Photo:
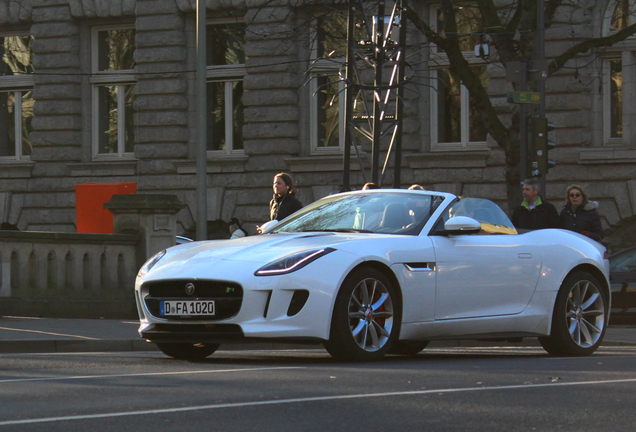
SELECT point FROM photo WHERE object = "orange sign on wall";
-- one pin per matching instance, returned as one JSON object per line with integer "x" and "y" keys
{"x": 91, "y": 215}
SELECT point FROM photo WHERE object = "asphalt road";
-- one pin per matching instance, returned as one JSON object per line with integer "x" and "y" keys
{"x": 442, "y": 389}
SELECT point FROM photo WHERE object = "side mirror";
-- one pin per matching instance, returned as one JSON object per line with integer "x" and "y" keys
{"x": 462, "y": 225}
{"x": 268, "y": 226}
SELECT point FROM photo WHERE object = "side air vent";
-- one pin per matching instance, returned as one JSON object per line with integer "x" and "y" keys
{"x": 297, "y": 302}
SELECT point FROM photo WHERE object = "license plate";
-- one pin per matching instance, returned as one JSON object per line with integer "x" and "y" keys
{"x": 186, "y": 307}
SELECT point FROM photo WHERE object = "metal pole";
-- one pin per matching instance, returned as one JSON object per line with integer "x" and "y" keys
{"x": 348, "y": 114}
{"x": 202, "y": 165}
{"x": 399, "y": 110}
{"x": 541, "y": 79}
{"x": 523, "y": 122}
{"x": 377, "y": 97}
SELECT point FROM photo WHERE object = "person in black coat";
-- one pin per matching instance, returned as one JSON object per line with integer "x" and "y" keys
{"x": 580, "y": 215}
{"x": 284, "y": 201}
{"x": 534, "y": 212}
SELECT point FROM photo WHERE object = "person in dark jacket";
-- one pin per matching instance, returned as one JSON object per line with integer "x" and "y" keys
{"x": 284, "y": 201}
{"x": 579, "y": 213}
{"x": 534, "y": 212}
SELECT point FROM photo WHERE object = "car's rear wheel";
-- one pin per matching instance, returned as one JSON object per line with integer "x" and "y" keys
{"x": 407, "y": 348}
{"x": 187, "y": 351}
{"x": 366, "y": 317}
{"x": 579, "y": 318}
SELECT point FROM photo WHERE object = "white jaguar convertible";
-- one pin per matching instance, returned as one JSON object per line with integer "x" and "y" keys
{"x": 378, "y": 272}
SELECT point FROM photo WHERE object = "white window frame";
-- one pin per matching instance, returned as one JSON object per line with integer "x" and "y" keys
{"x": 319, "y": 68}
{"x": 16, "y": 84}
{"x": 121, "y": 79}
{"x": 607, "y": 103}
{"x": 614, "y": 53}
{"x": 440, "y": 60}
{"x": 228, "y": 74}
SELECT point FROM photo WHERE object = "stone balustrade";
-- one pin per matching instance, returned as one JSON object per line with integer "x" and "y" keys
{"x": 78, "y": 275}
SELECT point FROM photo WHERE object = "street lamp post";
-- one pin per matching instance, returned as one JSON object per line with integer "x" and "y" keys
{"x": 202, "y": 165}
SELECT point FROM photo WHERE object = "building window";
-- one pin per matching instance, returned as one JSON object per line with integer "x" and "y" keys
{"x": 327, "y": 101}
{"x": 619, "y": 62}
{"x": 16, "y": 96}
{"x": 114, "y": 91}
{"x": 225, "y": 71}
{"x": 455, "y": 120}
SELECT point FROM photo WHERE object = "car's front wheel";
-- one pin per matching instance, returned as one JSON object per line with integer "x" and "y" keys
{"x": 187, "y": 351}
{"x": 366, "y": 317}
{"x": 579, "y": 318}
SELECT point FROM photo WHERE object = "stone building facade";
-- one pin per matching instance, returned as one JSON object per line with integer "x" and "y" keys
{"x": 108, "y": 95}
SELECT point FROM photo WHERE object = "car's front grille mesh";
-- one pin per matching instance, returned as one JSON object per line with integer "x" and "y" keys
{"x": 227, "y": 296}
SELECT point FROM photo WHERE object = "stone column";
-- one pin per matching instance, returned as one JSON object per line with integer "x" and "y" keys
{"x": 161, "y": 105}
{"x": 151, "y": 215}
{"x": 57, "y": 121}
{"x": 271, "y": 88}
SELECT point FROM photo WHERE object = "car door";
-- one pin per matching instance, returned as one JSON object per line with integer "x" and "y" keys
{"x": 491, "y": 273}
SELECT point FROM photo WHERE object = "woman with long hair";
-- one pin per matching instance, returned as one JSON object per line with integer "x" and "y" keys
{"x": 579, "y": 213}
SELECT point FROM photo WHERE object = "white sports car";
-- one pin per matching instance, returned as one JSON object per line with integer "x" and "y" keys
{"x": 370, "y": 273}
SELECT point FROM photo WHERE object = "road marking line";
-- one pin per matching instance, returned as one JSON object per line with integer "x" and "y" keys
{"x": 49, "y": 333}
{"x": 301, "y": 400}
{"x": 143, "y": 374}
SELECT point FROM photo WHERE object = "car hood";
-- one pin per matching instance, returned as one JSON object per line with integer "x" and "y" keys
{"x": 260, "y": 249}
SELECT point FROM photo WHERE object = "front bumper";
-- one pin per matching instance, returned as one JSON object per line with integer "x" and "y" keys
{"x": 295, "y": 306}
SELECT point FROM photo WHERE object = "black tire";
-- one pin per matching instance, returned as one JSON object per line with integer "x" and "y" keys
{"x": 187, "y": 351}
{"x": 407, "y": 348}
{"x": 366, "y": 317}
{"x": 579, "y": 319}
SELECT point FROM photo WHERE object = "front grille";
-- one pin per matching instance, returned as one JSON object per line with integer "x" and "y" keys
{"x": 227, "y": 296}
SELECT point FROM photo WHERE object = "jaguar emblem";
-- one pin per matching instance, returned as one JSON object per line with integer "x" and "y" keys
{"x": 189, "y": 288}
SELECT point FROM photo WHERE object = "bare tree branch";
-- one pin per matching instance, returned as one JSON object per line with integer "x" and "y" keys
{"x": 587, "y": 45}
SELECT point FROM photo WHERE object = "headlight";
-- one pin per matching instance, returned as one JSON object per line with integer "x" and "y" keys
{"x": 292, "y": 263}
{"x": 150, "y": 263}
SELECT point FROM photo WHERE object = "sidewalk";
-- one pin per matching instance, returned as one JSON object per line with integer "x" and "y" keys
{"x": 47, "y": 335}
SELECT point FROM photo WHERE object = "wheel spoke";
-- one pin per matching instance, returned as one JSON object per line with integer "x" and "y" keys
{"x": 585, "y": 332}
{"x": 591, "y": 326}
{"x": 364, "y": 290}
{"x": 594, "y": 312}
{"x": 358, "y": 328}
{"x": 356, "y": 302}
{"x": 590, "y": 301}
{"x": 373, "y": 289}
{"x": 383, "y": 314}
{"x": 378, "y": 304}
{"x": 365, "y": 335}
{"x": 375, "y": 340}
{"x": 381, "y": 329}
{"x": 583, "y": 286}
{"x": 354, "y": 315}
{"x": 573, "y": 328}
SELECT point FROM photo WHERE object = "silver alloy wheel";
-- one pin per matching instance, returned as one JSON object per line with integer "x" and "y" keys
{"x": 370, "y": 314}
{"x": 585, "y": 313}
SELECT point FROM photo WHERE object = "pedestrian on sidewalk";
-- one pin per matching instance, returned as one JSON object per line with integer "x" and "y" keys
{"x": 534, "y": 212}
{"x": 284, "y": 201}
{"x": 579, "y": 213}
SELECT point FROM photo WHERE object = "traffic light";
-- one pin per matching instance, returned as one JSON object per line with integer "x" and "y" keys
{"x": 541, "y": 145}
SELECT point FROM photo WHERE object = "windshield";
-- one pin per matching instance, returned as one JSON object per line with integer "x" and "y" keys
{"x": 386, "y": 212}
